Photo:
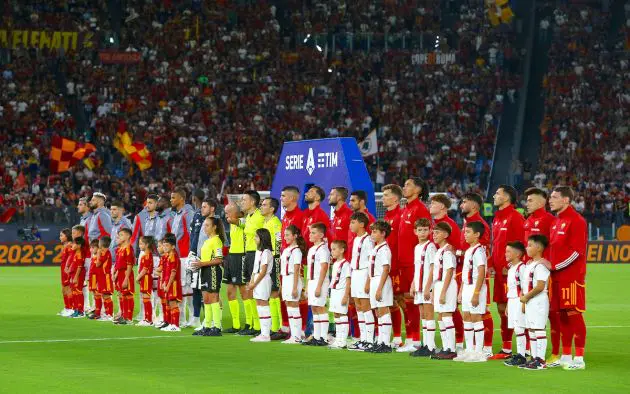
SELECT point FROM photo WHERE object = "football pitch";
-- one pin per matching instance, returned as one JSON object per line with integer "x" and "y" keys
{"x": 41, "y": 352}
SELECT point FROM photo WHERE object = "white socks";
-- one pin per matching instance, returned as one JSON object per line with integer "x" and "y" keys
{"x": 449, "y": 327}
{"x": 478, "y": 327}
{"x": 385, "y": 329}
{"x": 429, "y": 339}
{"x": 521, "y": 340}
{"x": 541, "y": 340}
{"x": 342, "y": 328}
{"x": 264, "y": 314}
{"x": 533, "y": 344}
{"x": 443, "y": 334}
{"x": 361, "y": 318}
{"x": 469, "y": 336}
{"x": 320, "y": 326}
{"x": 369, "y": 326}
{"x": 295, "y": 322}
{"x": 424, "y": 331}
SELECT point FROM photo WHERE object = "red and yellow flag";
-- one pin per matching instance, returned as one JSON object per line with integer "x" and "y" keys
{"x": 139, "y": 154}
{"x": 64, "y": 153}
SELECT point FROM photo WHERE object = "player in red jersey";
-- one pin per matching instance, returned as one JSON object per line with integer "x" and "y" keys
{"x": 340, "y": 225}
{"x": 470, "y": 206}
{"x": 358, "y": 203}
{"x": 65, "y": 238}
{"x": 507, "y": 227}
{"x": 76, "y": 272}
{"x": 415, "y": 191}
{"x": 314, "y": 214}
{"x": 93, "y": 282}
{"x": 173, "y": 285}
{"x": 104, "y": 277}
{"x": 438, "y": 208}
{"x": 123, "y": 276}
{"x": 539, "y": 222}
{"x": 568, "y": 263}
{"x": 392, "y": 194}
{"x": 145, "y": 278}
{"x": 162, "y": 280}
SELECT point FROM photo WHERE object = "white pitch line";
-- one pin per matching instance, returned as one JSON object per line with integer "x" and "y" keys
{"x": 91, "y": 339}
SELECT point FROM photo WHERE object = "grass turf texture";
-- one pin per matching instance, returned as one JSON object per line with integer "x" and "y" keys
{"x": 179, "y": 362}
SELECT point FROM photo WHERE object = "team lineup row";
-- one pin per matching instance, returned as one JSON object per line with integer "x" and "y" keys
{"x": 367, "y": 280}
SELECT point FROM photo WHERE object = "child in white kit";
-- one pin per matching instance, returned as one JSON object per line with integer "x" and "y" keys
{"x": 514, "y": 252}
{"x": 380, "y": 285}
{"x": 340, "y": 293}
{"x": 317, "y": 274}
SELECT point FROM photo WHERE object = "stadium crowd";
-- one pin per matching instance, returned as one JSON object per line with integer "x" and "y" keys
{"x": 217, "y": 99}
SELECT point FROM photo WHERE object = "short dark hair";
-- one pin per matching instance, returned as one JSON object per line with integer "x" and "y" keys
{"x": 170, "y": 239}
{"x": 442, "y": 199}
{"x": 180, "y": 191}
{"x": 320, "y": 192}
{"x": 424, "y": 193}
{"x": 265, "y": 239}
{"x": 79, "y": 241}
{"x": 511, "y": 191}
{"x": 117, "y": 203}
{"x": 474, "y": 197}
{"x": 319, "y": 226}
{"x": 361, "y": 218}
{"x": 343, "y": 191}
{"x": 518, "y": 245}
{"x": 105, "y": 241}
{"x": 275, "y": 204}
{"x": 360, "y": 194}
{"x": 68, "y": 234}
{"x": 94, "y": 243}
{"x": 422, "y": 222}
{"x": 211, "y": 201}
{"x": 199, "y": 194}
{"x": 80, "y": 228}
{"x": 394, "y": 189}
{"x": 382, "y": 226}
{"x": 444, "y": 226}
{"x": 291, "y": 188}
{"x": 254, "y": 195}
{"x": 125, "y": 230}
{"x": 153, "y": 197}
{"x": 341, "y": 243}
{"x": 539, "y": 239}
{"x": 476, "y": 227}
{"x": 565, "y": 191}
{"x": 535, "y": 191}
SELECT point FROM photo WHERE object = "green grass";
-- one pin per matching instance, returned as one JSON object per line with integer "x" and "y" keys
{"x": 182, "y": 363}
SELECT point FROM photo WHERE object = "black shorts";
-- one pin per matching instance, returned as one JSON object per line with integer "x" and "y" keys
{"x": 275, "y": 274}
{"x": 210, "y": 278}
{"x": 250, "y": 259}
{"x": 233, "y": 269}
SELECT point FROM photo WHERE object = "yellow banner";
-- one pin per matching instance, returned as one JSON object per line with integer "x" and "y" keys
{"x": 41, "y": 39}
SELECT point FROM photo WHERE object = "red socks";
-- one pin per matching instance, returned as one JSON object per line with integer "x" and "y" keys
{"x": 285, "y": 315}
{"x": 488, "y": 329}
{"x": 67, "y": 302}
{"x": 412, "y": 320}
{"x": 109, "y": 307}
{"x": 174, "y": 316}
{"x": 166, "y": 314}
{"x": 506, "y": 333}
{"x": 353, "y": 318}
{"x": 576, "y": 320}
{"x": 304, "y": 314}
{"x": 148, "y": 310}
{"x": 396, "y": 320}
{"x": 98, "y": 305}
{"x": 459, "y": 326}
{"x": 554, "y": 327}
{"x": 566, "y": 332}
{"x": 129, "y": 306}
{"x": 78, "y": 301}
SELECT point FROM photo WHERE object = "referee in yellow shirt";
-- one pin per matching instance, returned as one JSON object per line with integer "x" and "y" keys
{"x": 268, "y": 208}
{"x": 234, "y": 270}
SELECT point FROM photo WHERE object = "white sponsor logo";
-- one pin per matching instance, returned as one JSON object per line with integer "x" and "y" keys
{"x": 313, "y": 161}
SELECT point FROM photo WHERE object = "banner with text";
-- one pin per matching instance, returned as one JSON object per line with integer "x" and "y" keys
{"x": 29, "y": 254}
{"x": 608, "y": 252}
{"x": 42, "y": 39}
{"x": 433, "y": 58}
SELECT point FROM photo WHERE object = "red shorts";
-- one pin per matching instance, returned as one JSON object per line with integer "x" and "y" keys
{"x": 105, "y": 285}
{"x": 119, "y": 282}
{"x": 65, "y": 278}
{"x": 500, "y": 289}
{"x": 174, "y": 293}
{"x": 401, "y": 279}
{"x": 567, "y": 295}
{"x": 146, "y": 285}
{"x": 80, "y": 283}
{"x": 93, "y": 282}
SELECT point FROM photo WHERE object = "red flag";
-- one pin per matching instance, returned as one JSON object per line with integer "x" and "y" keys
{"x": 64, "y": 153}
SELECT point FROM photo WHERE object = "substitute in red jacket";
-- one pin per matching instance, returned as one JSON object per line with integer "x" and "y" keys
{"x": 293, "y": 215}
{"x": 314, "y": 213}
{"x": 538, "y": 221}
{"x": 506, "y": 227}
{"x": 568, "y": 263}
{"x": 341, "y": 221}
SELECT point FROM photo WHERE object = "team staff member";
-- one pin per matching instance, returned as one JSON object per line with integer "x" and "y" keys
{"x": 165, "y": 217}
{"x": 392, "y": 194}
{"x": 146, "y": 222}
{"x": 314, "y": 214}
{"x": 84, "y": 210}
{"x": 438, "y": 208}
{"x": 470, "y": 206}
{"x": 568, "y": 263}
{"x": 234, "y": 270}
{"x": 507, "y": 227}
{"x": 268, "y": 209}
{"x": 101, "y": 221}
{"x": 341, "y": 222}
{"x": 415, "y": 191}
{"x": 539, "y": 222}
{"x": 252, "y": 221}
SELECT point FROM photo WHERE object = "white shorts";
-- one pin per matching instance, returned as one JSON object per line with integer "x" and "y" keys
{"x": 321, "y": 300}
{"x": 334, "y": 305}
{"x": 515, "y": 315}
{"x": 86, "y": 266}
{"x": 467, "y": 294}
{"x": 263, "y": 290}
{"x": 451, "y": 297}
{"x": 418, "y": 299}
{"x": 357, "y": 285}
{"x": 387, "y": 294}
{"x": 537, "y": 312}
{"x": 287, "y": 288}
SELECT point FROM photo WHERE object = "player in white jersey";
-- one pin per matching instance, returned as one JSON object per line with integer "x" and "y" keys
{"x": 260, "y": 282}
{"x": 340, "y": 285}
{"x": 472, "y": 294}
{"x": 535, "y": 300}
{"x": 291, "y": 264}
{"x": 380, "y": 285}
{"x": 318, "y": 261}
{"x": 422, "y": 286}
{"x": 444, "y": 290}
{"x": 514, "y": 253}
{"x": 360, "y": 263}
